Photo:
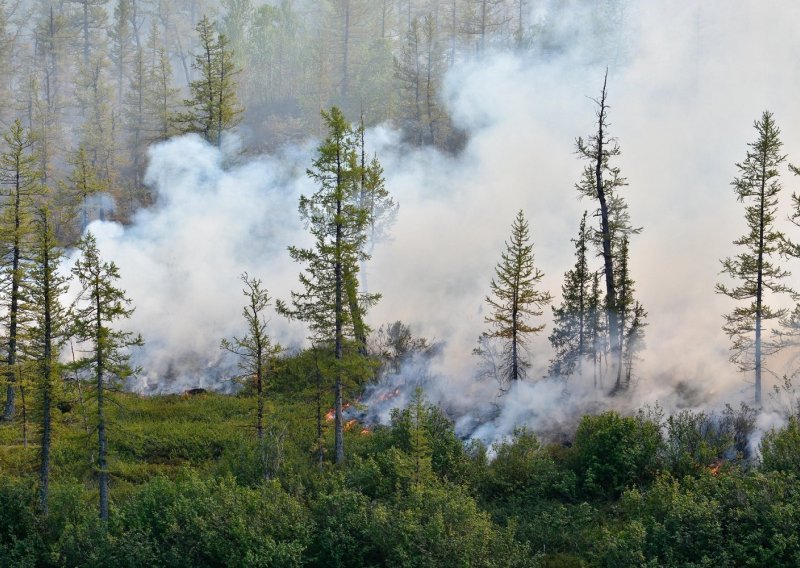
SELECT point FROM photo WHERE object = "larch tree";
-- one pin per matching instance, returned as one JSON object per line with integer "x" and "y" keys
{"x": 631, "y": 316}
{"x": 754, "y": 269}
{"x": 20, "y": 182}
{"x": 45, "y": 334}
{"x": 213, "y": 107}
{"x": 570, "y": 338}
{"x": 338, "y": 222}
{"x": 514, "y": 300}
{"x": 98, "y": 306}
{"x": 601, "y": 181}
{"x": 255, "y": 350}
{"x": 82, "y": 185}
{"x": 160, "y": 97}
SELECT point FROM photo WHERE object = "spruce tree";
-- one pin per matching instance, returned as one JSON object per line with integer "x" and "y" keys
{"x": 337, "y": 222}
{"x": 514, "y": 300}
{"x": 98, "y": 306}
{"x": 569, "y": 337}
{"x": 754, "y": 269}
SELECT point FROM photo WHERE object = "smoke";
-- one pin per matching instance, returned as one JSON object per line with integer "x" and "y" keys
{"x": 686, "y": 82}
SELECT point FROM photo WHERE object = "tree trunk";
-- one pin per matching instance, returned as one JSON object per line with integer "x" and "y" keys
{"x": 608, "y": 259}
{"x": 102, "y": 444}
{"x": 760, "y": 280}
{"x": 338, "y": 308}
{"x": 44, "y": 466}
{"x": 8, "y": 413}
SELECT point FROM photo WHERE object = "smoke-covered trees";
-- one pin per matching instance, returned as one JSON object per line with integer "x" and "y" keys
{"x": 514, "y": 300}
{"x": 338, "y": 220}
{"x": 255, "y": 349}
{"x": 570, "y": 337}
{"x": 631, "y": 317}
{"x": 601, "y": 181}
{"x": 98, "y": 306}
{"x": 754, "y": 268}
{"x": 213, "y": 107}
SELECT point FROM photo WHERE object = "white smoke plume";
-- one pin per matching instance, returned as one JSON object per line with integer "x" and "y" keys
{"x": 686, "y": 82}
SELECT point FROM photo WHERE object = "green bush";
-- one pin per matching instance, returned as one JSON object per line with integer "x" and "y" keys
{"x": 780, "y": 449}
{"x": 612, "y": 453}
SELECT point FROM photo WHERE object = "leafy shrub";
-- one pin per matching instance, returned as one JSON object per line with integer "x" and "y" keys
{"x": 612, "y": 452}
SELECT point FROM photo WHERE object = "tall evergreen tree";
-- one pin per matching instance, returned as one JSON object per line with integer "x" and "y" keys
{"x": 754, "y": 268}
{"x": 570, "y": 337}
{"x": 631, "y": 317}
{"x": 99, "y": 305}
{"x": 213, "y": 107}
{"x": 45, "y": 334}
{"x": 601, "y": 181}
{"x": 515, "y": 299}
{"x": 82, "y": 185}
{"x": 20, "y": 182}
{"x": 337, "y": 222}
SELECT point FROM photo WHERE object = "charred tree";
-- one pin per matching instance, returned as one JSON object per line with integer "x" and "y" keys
{"x": 600, "y": 181}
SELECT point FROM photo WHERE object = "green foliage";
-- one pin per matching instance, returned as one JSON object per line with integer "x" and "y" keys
{"x": 612, "y": 453}
{"x": 514, "y": 300}
{"x": 213, "y": 107}
{"x": 693, "y": 441}
{"x": 755, "y": 269}
{"x": 523, "y": 472}
{"x": 780, "y": 448}
{"x": 571, "y": 335}
{"x": 440, "y": 525}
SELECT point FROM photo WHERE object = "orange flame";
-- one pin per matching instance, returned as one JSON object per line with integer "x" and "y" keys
{"x": 349, "y": 424}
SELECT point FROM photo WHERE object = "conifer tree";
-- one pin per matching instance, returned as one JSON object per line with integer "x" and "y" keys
{"x": 570, "y": 338}
{"x": 601, "y": 181}
{"x": 159, "y": 94}
{"x": 213, "y": 107}
{"x": 514, "y": 300}
{"x": 45, "y": 334}
{"x": 81, "y": 185}
{"x": 597, "y": 331}
{"x": 754, "y": 268}
{"x": 19, "y": 178}
{"x": 255, "y": 349}
{"x": 98, "y": 306}
{"x": 631, "y": 317}
{"x": 337, "y": 222}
